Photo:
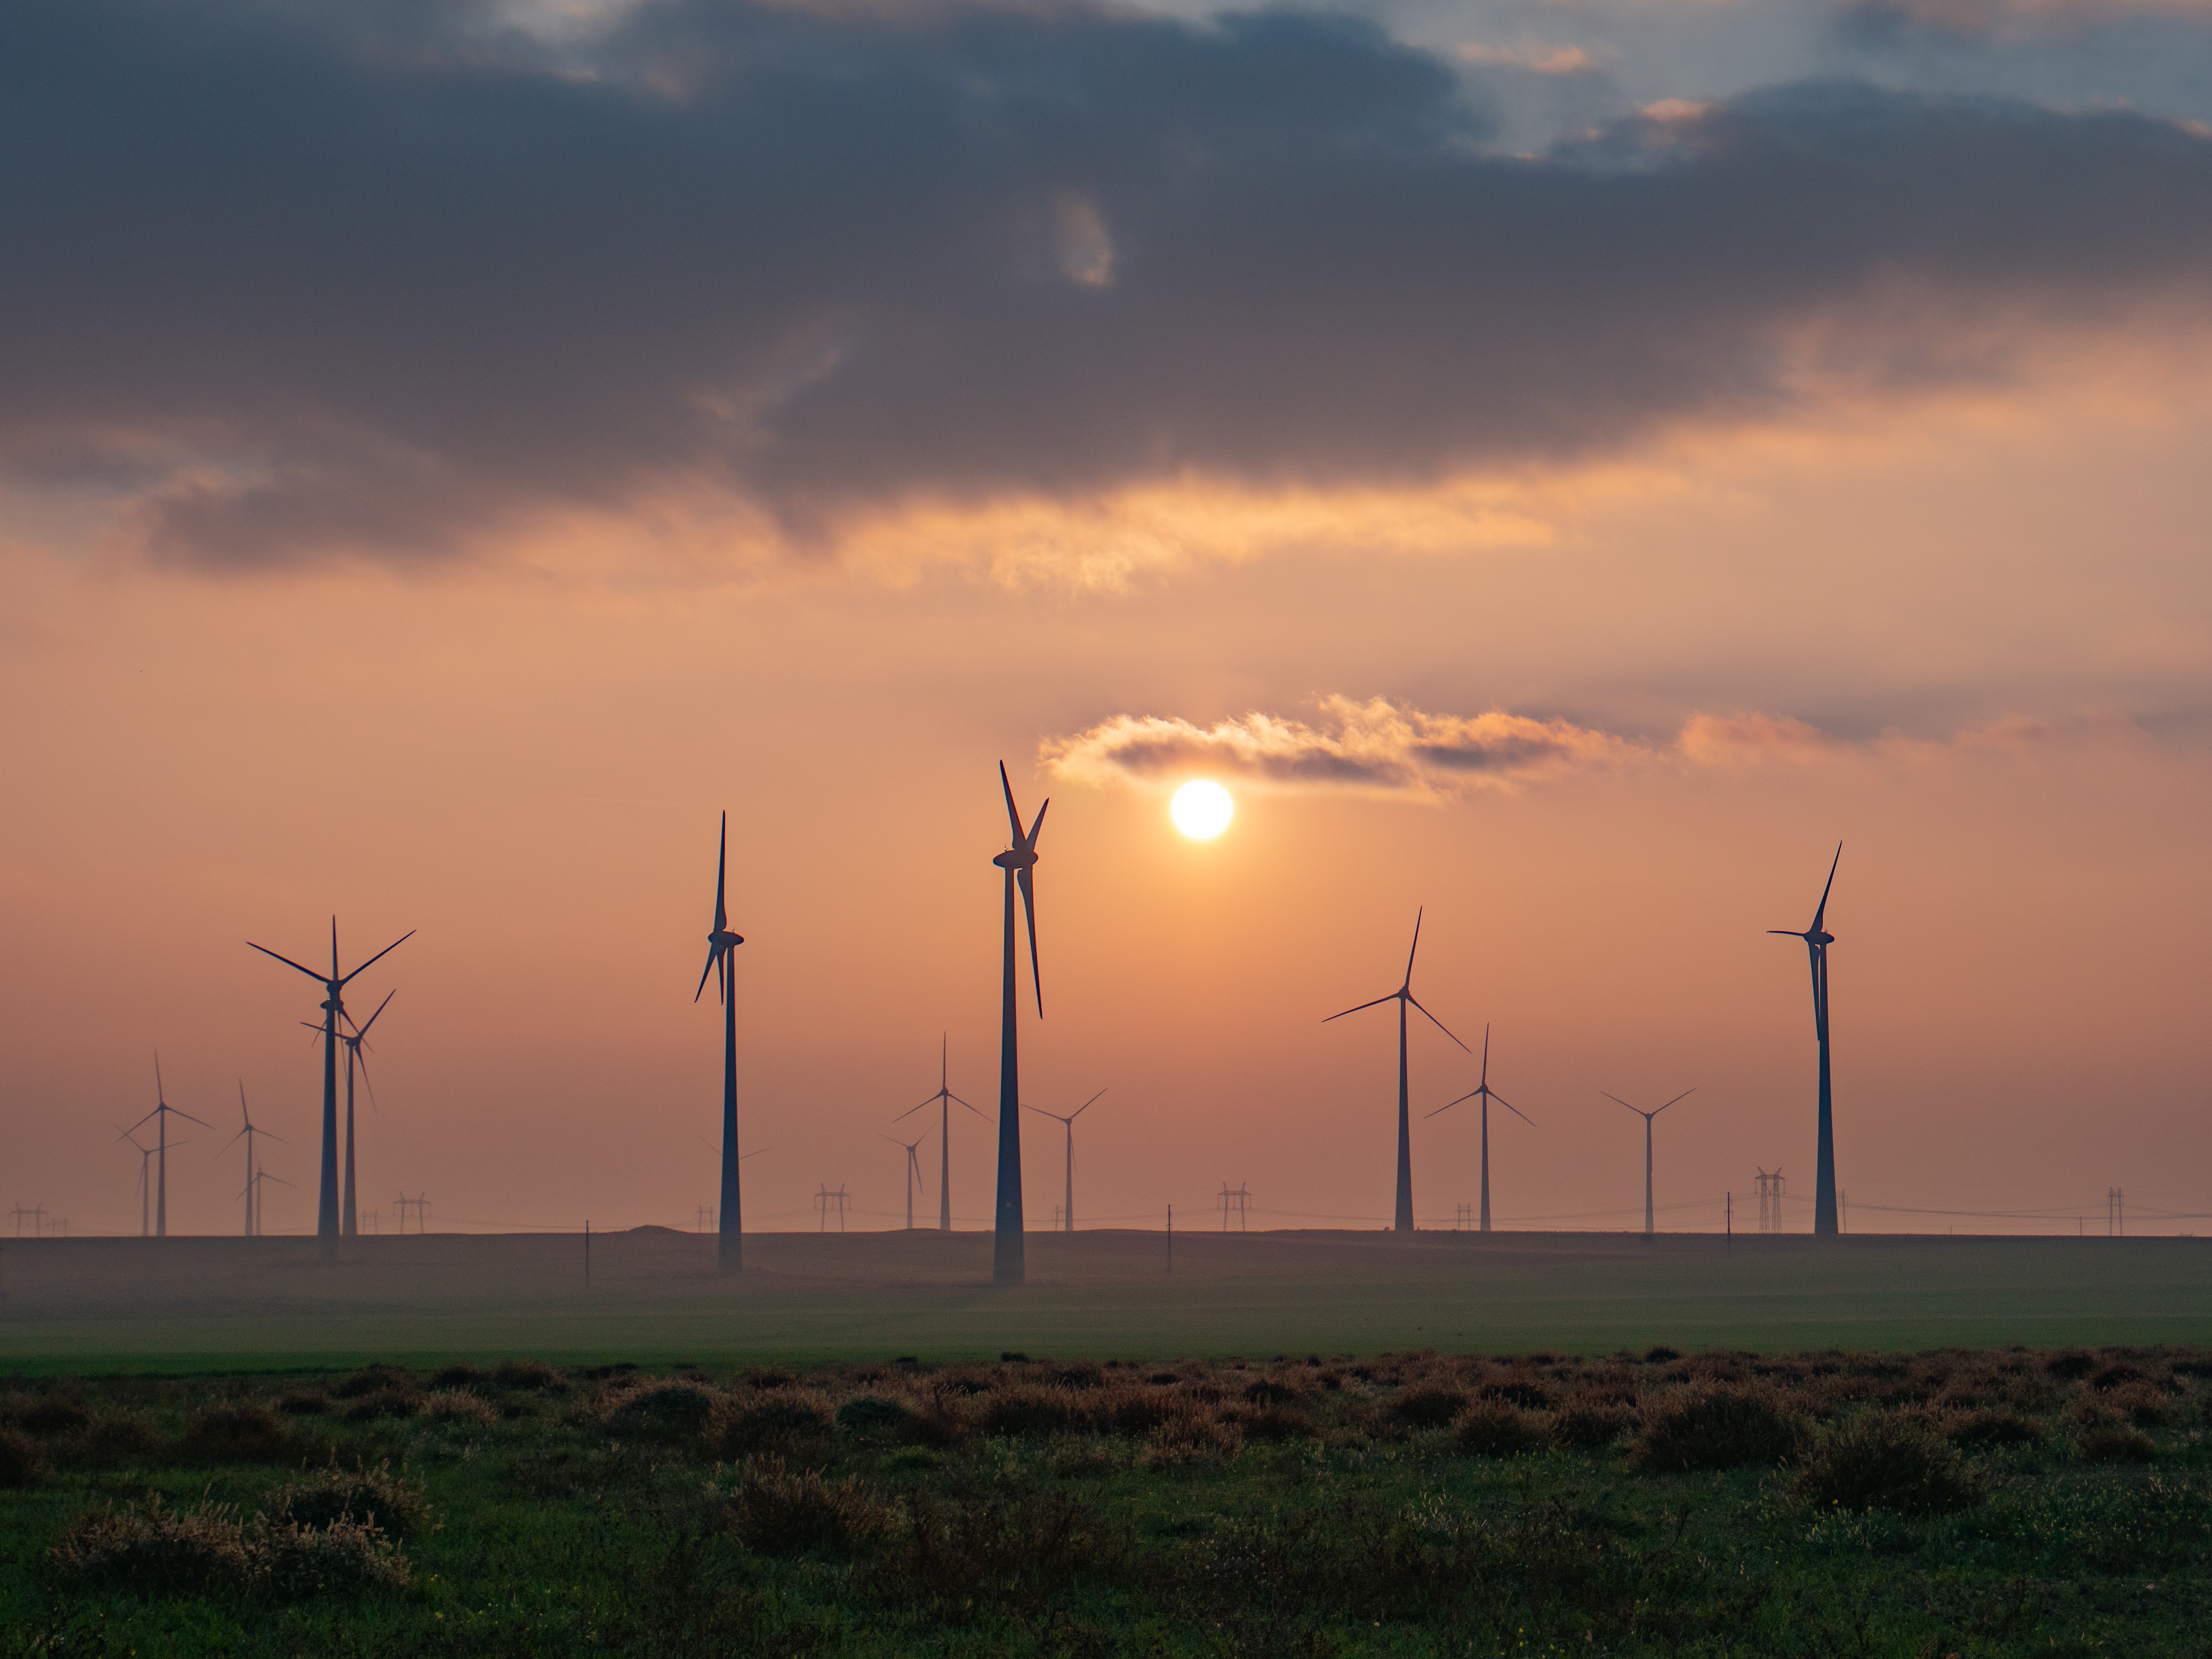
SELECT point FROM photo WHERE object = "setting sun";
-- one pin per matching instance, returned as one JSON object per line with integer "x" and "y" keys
{"x": 1201, "y": 809}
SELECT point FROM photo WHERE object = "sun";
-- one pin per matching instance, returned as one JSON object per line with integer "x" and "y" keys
{"x": 1201, "y": 809}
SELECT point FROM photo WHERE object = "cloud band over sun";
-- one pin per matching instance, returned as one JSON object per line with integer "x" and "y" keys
{"x": 374, "y": 278}
{"x": 1386, "y": 749}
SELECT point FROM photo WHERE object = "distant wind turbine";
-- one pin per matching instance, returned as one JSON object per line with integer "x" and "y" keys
{"x": 945, "y": 1100}
{"x": 349, "y": 1223}
{"x": 145, "y": 1179}
{"x": 1402, "y": 996}
{"x": 1067, "y": 1214}
{"x": 1817, "y": 939}
{"x": 913, "y": 1168}
{"x": 161, "y": 1115}
{"x": 333, "y": 984}
{"x": 1646, "y": 1117}
{"x": 721, "y": 962}
{"x": 1485, "y": 1094}
{"x": 253, "y": 1193}
{"x": 1019, "y": 862}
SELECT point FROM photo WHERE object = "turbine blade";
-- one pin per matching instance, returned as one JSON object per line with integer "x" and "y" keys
{"x": 1789, "y": 932}
{"x": 1013, "y": 814}
{"x": 1685, "y": 1095}
{"x": 1823, "y": 910}
{"x": 1434, "y": 1021}
{"x": 979, "y": 1112}
{"x": 141, "y": 1124}
{"x": 1086, "y": 1105}
{"x": 1417, "y": 945}
{"x": 1377, "y": 1003}
{"x": 362, "y": 1031}
{"x": 911, "y": 1110}
{"x": 1029, "y": 841}
{"x": 366, "y": 1081}
{"x": 321, "y": 979}
{"x": 1028, "y": 909}
{"x": 378, "y": 958}
{"x": 721, "y": 875}
{"x": 246, "y": 1115}
{"x": 1618, "y": 1101}
{"x": 159, "y": 1095}
{"x": 232, "y": 1142}
{"x": 1486, "y": 1054}
{"x": 201, "y": 1121}
{"x": 712, "y": 958}
{"x": 1511, "y": 1108}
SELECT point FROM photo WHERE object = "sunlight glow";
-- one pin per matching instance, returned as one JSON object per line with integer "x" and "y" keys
{"x": 1201, "y": 809}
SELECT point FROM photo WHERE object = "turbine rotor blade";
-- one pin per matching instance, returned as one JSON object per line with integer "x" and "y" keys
{"x": 1086, "y": 1105}
{"x": 378, "y": 958}
{"x": 1618, "y": 1101}
{"x": 1028, "y": 909}
{"x": 1823, "y": 910}
{"x": 1377, "y": 1003}
{"x": 1511, "y": 1108}
{"x": 1434, "y": 1021}
{"x": 722, "y": 873}
{"x": 323, "y": 979}
{"x": 1685, "y": 1095}
{"x": 362, "y": 1030}
{"x": 1416, "y": 946}
{"x": 1013, "y": 814}
{"x": 713, "y": 957}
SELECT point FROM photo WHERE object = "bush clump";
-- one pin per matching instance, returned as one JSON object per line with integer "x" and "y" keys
{"x": 1723, "y": 1426}
{"x": 665, "y": 1412}
{"x": 293, "y": 1561}
{"x": 52, "y": 1414}
{"x": 1888, "y": 1460}
{"x": 1591, "y": 1423}
{"x": 1495, "y": 1428}
{"x": 739, "y": 1429}
{"x": 1020, "y": 1411}
{"x": 331, "y": 1494}
{"x": 458, "y": 1406}
{"x": 196, "y": 1551}
{"x": 239, "y": 1431}
{"x": 113, "y": 1440}
{"x": 1994, "y": 1427}
{"x": 456, "y": 1377}
{"x": 1428, "y": 1405}
{"x": 303, "y": 1402}
{"x": 21, "y": 1464}
{"x": 2115, "y": 1442}
{"x": 776, "y": 1511}
{"x": 375, "y": 1379}
{"x": 872, "y": 1414}
{"x": 529, "y": 1376}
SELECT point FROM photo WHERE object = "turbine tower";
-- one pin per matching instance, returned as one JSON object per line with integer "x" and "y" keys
{"x": 945, "y": 1100}
{"x": 1487, "y": 1094}
{"x": 1019, "y": 862}
{"x": 333, "y": 984}
{"x": 722, "y": 946}
{"x": 1402, "y": 996}
{"x": 161, "y": 1115}
{"x": 252, "y": 1193}
{"x": 1817, "y": 939}
{"x": 913, "y": 1167}
{"x": 1646, "y": 1117}
{"x": 349, "y": 1223}
{"x": 145, "y": 1180}
{"x": 1067, "y": 1214}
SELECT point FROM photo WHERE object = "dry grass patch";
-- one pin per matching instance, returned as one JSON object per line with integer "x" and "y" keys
{"x": 1718, "y": 1427}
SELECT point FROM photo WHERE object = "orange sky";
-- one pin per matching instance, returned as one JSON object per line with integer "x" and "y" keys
{"x": 1929, "y": 579}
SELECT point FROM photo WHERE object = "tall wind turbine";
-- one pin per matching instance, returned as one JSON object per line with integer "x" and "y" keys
{"x": 721, "y": 962}
{"x": 1817, "y": 939}
{"x": 1019, "y": 862}
{"x": 252, "y": 1193}
{"x": 161, "y": 1115}
{"x": 1646, "y": 1117}
{"x": 1067, "y": 1214}
{"x": 145, "y": 1180}
{"x": 913, "y": 1167}
{"x": 349, "y": 1223}
{"x": 945, "y": 1100}
{"x": 333, "y": 984}
{"x": 1402, "y": 996}
{"x": 1487, "y": 1094}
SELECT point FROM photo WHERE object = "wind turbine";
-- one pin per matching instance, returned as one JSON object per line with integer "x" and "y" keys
{"x": 722, "y": 946}
{"x": 1019, "y": 862}
{"x": 945, "y": 1099}
{"x": 161, "y": 1114}
{"x": 246, "y": 1135}
{"x": 349, "y": 1223}
{"x": 1646, "y": 1117}
{"x": 913, "y": 1167}
{"x": 333, "y": 984}
{"x": 1402, "y": 996}
{"x": 1068, "y": 1215}
{"x": 252, "y": 1193}
{"x": 145, "y": 1180}
{"x": 1817, "y": 939}
{"x": 1487, "y": 1094}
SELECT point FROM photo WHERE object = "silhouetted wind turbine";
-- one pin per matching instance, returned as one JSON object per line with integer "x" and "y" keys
{"x": 945, "y": 1099}
{"x": 1402, "y": 996}
{"x": 1817, "y": 939}
{"x": 333, "y": 984}
{"x": 913, "y": 1167}
{"x": 722, "y": 946}
{"x": 1068, "y": 1215}
{"x": 252, "y": 1193}
{"x": 161, "y": 1114}
{"x": 349, "y": 1224}
{"x": 246, "y": 1135}
{"x": 145, "y": 1180}
{"x": 1646, "y": 1117}
{"x": 1487, "y": 1094}
{"x": 1019, "y": 862}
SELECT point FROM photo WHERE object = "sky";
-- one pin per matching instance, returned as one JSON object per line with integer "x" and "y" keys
{"x": 1564, "y": 467}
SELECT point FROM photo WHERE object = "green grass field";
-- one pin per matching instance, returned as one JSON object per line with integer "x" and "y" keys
{"x": 93, "y": 1305}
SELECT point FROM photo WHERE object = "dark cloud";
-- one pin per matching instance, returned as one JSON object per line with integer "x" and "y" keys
{"x": 312, "y": 277}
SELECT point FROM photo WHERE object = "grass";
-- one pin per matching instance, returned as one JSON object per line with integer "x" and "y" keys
{"x": 209, "y": 1304}
{"x": 1408, "y": 1503}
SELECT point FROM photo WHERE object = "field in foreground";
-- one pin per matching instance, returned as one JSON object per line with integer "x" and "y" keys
{"x": 1969, "y": 1503}
{"x": 654, "y": 1296}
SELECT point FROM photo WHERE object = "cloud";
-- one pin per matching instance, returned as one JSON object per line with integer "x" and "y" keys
{"x": 1384, "y": 749}
{"x": 381, "y": 279}
{"x": 1872, "y": 21}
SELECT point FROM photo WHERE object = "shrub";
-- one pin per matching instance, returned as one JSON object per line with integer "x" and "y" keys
{"x": 871, "y": 1414}
{"x": 1267, "y": 1392}
{"x": 157, "y": 1549}
{"x": 1888, "y": 1460}
{"x": 293, "y": 1561}
{"x": 239, "y": 1431}
{"x": 1081, "y": 1375}
{"x": 1661, "y": 1355}
{"x": 52, "y": 1414}
{"x": 1428, "y": 1405}
{"x": 778, "y": 1423}
{"x": 383, "y": 1402}
{"x": 1591, "y": 1422}
{"x": 2112, "y": 1442}
{"x": 396, "y": 1505}
{"x": 114, "y": 1440}
{"x": 767, "y": 1376}
{"x": 1191, "y": 1435}
{"x": 1994, "y": 1427}
{"x": 2119, "y": 1374}
{"x": 1277, "y": 1423}
{"x": 1022, "y": 1411}
{"x": 2139, "y": 1403}
{"x": 375, "y": 1379}
{"x": 458, "y": 1406}
{"x": 773, "y": 1511}
{"x": 307, "y": 1402}
{"x": 1522, "y": 1391}
{"x": 21, "y": 1465}
{"x": 664, "y": 1412}
{"x": 456, "y": 1377}
{"x": 2070, "y": 1364}
{"x": 1720, "y": 1427}
{"x": 534, "y": 1375}
{"x": 1494, "y": 1428}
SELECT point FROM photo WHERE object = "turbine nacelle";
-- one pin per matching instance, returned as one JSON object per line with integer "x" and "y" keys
{"x": 1017, "y": 857}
